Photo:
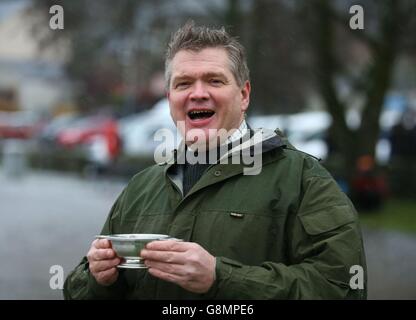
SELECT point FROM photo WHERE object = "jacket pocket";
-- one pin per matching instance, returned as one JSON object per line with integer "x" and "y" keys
{"x": 326, "y": 219}
{"x": 245, "y": 237}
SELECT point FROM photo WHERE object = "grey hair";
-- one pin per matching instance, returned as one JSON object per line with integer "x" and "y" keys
{"x": 191, "y": 37}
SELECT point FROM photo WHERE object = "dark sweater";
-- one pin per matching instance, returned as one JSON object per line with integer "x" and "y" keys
{"x": 193, "y": 172}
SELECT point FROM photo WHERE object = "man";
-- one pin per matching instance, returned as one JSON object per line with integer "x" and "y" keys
{"x": 286, "y": 232}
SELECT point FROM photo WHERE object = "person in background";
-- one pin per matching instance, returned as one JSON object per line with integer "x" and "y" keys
{"x": 369, "y": 188}
{"x": 403, "y": 155}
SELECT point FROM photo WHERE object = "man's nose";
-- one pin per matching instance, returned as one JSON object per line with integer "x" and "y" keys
{"x": 199, "y": 91}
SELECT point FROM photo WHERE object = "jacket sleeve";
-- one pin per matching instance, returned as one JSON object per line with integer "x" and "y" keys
{"x": 80, "y": 284}
{"x": 324, "y": 242}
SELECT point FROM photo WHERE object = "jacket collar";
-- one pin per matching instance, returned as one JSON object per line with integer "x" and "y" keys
{"x": 255, "y": 142}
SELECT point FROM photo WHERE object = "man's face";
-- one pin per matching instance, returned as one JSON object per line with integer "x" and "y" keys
{"x": 204, "y": 94}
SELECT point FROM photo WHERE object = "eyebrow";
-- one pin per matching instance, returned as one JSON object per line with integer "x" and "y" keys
{"x": 205, "y": 75}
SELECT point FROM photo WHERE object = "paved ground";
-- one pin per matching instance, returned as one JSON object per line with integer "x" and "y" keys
{"x": 391, "y": 260}
{"x": 49, "y": 219}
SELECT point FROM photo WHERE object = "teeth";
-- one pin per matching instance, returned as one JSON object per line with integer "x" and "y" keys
{"x": 200, "y": 111}
{"x": 199, "y": 114}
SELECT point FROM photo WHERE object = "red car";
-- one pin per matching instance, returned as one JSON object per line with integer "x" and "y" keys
{"x": 19, "y": 125}
{"x": 98, "y": 134}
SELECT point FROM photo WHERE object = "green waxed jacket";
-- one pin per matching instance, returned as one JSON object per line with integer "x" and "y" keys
{"x": 286, "y": 233}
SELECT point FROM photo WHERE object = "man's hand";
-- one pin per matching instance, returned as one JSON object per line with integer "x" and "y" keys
{"x": 184, "y": 263}
{"x": 103, "y": 261}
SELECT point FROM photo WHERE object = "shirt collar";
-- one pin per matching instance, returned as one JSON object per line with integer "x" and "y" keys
{"x": 237, "y": 134}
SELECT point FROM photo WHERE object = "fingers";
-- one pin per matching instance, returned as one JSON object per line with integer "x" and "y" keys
{"x": 176, "y": 269}
{"x": 101, "y": 243}
{"x": 103, "y": 265}
{"x": 104, "y": 254}
{"x": 106, "y": 277}
{"x": 168, "y": 245}
{"x": 103, "y": 261}
{"x": 190, "y": 265}
{"x": 100, "y": 254}
{"x": 168, "y": 251}
{"x": 163, "y": 256}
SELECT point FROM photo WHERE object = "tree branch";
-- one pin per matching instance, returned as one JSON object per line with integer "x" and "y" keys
{"x": 361, "y": 35}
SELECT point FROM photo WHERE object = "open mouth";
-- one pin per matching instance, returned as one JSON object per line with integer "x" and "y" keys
{"x": 200, "y": 114}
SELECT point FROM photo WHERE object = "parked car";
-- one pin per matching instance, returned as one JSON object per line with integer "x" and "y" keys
{"x": 138, "y": 131}
{"x": 50, "y": 131}
{"x": 97, "y": 135}
{"x": 20, "y": 124}
{"x": 306, "y": 130}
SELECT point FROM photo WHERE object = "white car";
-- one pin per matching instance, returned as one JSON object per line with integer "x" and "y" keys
{"x": 304, "y": 130}
{"x": 138, "y": 131}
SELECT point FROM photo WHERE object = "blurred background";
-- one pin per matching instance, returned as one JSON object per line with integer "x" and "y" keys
{"x": 79, "y": 107}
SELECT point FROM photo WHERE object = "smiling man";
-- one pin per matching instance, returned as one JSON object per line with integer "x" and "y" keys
{"x": 204, "y": 93}
{"x": 286, "y": 232}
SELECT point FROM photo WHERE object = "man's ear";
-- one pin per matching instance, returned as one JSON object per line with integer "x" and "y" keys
{"x": 245, "y": 95}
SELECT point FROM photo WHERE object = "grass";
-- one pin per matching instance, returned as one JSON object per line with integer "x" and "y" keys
{"x": 399, "y": 215}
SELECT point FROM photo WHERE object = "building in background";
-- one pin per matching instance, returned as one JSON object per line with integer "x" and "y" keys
{"x": 31, "y": 79}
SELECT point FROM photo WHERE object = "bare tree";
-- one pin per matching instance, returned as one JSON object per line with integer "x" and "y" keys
{"x": 277, "y": 58}
{"x": 389, "y": 21}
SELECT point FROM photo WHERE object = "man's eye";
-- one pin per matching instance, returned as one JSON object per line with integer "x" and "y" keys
{"x": 181, "y": 85}
{"x": 216, "y": 81}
